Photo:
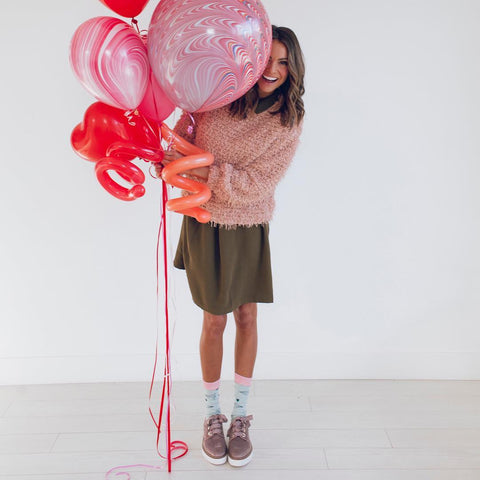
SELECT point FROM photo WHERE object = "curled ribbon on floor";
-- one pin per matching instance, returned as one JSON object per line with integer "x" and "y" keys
{"x": 199, "y": 192}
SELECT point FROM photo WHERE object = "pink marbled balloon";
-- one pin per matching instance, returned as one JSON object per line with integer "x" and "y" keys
{"x": 155, "y": 104}
{"x": 206, "y": 54}
{"x": 110, "y": 60}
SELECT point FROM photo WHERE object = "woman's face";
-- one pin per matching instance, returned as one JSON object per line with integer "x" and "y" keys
{"x": 276, "y": 71}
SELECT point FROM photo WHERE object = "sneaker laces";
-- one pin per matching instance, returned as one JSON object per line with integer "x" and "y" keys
{"x": 239, "y": 426}
{"x": 215, "y": 424}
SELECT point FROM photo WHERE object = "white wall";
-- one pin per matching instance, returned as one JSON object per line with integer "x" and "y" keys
{"x": 375, "y": 239}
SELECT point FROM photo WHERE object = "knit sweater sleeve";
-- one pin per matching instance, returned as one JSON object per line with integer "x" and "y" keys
{"x": 242, "y": 186}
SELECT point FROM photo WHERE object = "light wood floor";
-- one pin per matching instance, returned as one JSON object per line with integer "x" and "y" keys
{"x": 305, "y": 429}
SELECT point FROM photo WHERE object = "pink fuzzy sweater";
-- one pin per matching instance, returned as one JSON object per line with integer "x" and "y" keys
{"x": 250, "y": 157}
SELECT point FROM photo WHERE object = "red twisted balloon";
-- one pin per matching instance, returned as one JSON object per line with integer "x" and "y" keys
{"x": 128, "y": 171}
{"x": 194, "y": 157}
{"x": 117, "y": 159}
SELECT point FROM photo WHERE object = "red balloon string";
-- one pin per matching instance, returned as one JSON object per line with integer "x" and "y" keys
{"x": 129, "y": 116}
{"x": 167, "y": 377}
{"x": 143, "y": 33}
{"x": 179, "y": 445}
{"x": 134, "y": 22}
{"x": 200, "y": 193}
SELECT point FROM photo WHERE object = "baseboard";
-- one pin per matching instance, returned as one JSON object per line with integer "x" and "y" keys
{"x": 269, "y": 365}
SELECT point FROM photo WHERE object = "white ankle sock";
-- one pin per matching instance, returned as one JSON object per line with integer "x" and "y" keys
{"x": 212, "y": 400}
{"x": 242, "y": 389}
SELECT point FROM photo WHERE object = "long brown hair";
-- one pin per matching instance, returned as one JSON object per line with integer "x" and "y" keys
{"x": 290, "y": 92}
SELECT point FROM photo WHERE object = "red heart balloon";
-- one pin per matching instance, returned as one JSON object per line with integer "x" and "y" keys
{"x": 126, "y": 8}
{"x": 104, "y": 125}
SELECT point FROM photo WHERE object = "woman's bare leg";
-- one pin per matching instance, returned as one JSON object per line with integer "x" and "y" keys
{"x": 211, "y": 346}
{"x": 246, "y": 339}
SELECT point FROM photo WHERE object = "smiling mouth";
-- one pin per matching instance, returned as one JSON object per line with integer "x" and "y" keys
{"x": 269, "y": 79}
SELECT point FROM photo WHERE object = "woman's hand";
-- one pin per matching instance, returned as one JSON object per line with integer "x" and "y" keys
{"x": 158, "y": 169}
{"x": 170, "y": 156}
{"x": 200, "y": 172}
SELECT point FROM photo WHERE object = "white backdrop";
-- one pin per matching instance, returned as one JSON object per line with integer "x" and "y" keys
{"x": 375, "y": 240}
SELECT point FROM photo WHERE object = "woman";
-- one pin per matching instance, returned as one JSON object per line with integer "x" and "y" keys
{"x": 227, "y": 262}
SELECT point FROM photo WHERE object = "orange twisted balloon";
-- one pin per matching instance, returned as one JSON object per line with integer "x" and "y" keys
{"x": 194, "y": 157}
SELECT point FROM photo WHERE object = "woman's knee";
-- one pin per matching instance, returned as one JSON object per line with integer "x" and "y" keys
{"x": 214, "y": 324}
{"x": 246, "y": 316}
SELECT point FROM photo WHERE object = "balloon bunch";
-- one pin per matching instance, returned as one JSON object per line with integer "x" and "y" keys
{"x": 197, "y": 56}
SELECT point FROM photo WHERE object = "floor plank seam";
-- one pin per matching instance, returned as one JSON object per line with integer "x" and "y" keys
{"x": 388, "y": 437}
{"x": 54, "y": 442}
{"x": 325, "y": 458}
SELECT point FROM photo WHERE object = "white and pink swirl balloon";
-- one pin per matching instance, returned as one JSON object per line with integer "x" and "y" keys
{"x": 206, "y": 54}
{"x": 110, "y": 60}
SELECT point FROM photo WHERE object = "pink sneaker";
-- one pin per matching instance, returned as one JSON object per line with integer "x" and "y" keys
{"x": 240, "y": 450}
{"x": 214, "y": 446}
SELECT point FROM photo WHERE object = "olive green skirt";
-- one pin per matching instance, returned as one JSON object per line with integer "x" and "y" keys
{"x": 225, "y": 268}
